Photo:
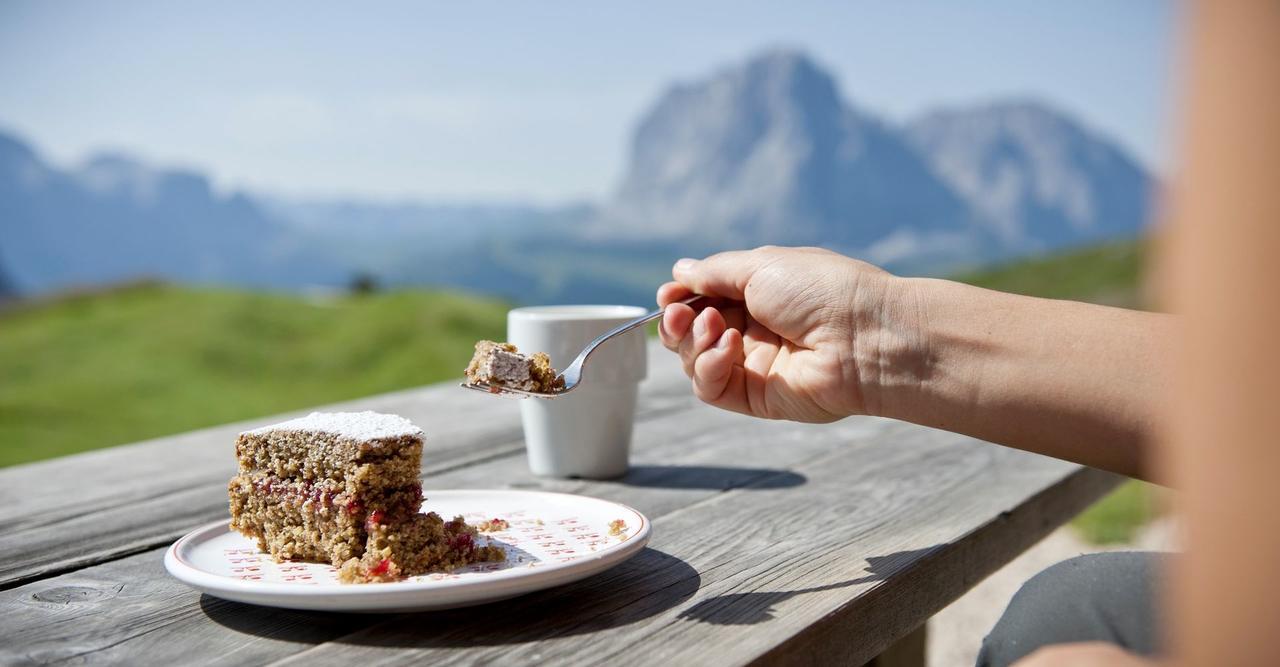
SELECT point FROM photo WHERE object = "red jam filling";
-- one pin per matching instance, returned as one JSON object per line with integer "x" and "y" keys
{"x": 463, "y": 543}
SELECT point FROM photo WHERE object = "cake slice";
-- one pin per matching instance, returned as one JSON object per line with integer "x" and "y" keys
{"x": 336, "y": 487}
{"x": 420, "y": 543}
{"x": 502, "y": 365}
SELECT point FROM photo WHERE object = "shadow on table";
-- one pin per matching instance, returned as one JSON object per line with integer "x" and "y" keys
{"x": 757, "y": 607}
{"x": 644, "y": 586}
{"x": 710, "y": 477}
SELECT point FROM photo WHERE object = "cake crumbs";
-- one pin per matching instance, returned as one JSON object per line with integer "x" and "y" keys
{"x": 618, "y": 528}
{"x": 493, "y": 525}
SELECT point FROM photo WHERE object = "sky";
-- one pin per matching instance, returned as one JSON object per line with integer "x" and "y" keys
{"x": 529, "y": 102}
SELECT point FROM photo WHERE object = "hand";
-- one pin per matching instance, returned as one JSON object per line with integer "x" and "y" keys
{"x": 1084, "y": 654}
{"x": 792, "y": 335}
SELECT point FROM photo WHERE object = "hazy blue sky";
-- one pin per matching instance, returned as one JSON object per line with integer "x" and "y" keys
{"x": 527, "y": 101}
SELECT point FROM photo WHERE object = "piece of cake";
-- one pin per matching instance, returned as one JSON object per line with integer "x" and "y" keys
{"x": 420, "y": 543}
{"x": 502, "y": 365}
{"x": 342, "y": 488}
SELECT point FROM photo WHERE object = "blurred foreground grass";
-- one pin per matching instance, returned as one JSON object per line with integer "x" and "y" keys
{"x": 98, "y": 369}
{"x": 93, "y": 370}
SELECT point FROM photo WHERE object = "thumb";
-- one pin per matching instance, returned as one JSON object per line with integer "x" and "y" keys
{"x": 724, "y": 274}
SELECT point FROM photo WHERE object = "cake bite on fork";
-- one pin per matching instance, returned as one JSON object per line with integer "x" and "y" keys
{"x": 500, "y": 366}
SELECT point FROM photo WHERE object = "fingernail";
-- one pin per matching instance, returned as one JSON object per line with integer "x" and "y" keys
{"x": 685, "y": 264}
{"x": 723, "y": 343}
{"x": 699, "y": 326}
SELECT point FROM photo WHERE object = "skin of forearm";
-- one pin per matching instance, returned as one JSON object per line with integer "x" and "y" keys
{"x": 1075, "y": 381}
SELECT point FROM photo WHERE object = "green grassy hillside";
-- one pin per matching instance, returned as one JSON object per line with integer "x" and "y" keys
{"x": 119, "y": 366}
{"x": 1110, "y": 274}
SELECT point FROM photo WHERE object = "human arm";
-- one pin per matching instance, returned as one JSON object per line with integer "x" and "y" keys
{"x": 811, "y": 335}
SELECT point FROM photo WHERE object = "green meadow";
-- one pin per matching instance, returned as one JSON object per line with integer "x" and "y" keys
{"x": 95, "y": 370}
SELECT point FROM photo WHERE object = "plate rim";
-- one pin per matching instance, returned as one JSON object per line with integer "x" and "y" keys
{"x": 545, "y": 576}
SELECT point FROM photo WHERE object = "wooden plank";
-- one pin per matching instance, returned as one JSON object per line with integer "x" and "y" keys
{"x": 128, "y": 612}
{"x": 869, "y": 623}
{"x": 70, "y": 512}
{"x": 889, "y": 523}
{"x": 775, "y": 568}
{"x": 906, "y": 652}
{"x": 98, "y": 619}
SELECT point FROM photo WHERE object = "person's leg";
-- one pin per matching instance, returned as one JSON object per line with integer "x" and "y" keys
{"x": 1100, "y": 597}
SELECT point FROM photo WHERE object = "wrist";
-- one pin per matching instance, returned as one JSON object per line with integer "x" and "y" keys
{"x": 891, "y": 346}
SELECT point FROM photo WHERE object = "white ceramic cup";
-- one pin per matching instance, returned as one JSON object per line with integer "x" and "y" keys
{"x": 588, "y": 432}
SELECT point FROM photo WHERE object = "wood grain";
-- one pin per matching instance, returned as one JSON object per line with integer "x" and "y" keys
{"x": 743, "y": 573}
{"x": 771, "y": 565}
{"x": 686, "y": 444}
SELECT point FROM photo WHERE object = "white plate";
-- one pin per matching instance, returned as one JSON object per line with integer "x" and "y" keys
{"x": 553, "y": 539}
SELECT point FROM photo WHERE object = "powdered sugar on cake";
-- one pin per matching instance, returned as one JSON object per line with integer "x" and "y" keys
{"x": 360, "y": 426}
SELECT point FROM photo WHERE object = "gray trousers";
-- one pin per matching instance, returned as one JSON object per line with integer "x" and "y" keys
{"x": 1107, "y": 597}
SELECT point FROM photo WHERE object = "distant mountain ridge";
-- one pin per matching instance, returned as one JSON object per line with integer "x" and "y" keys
{"x": 765, "y": 151}
{"x": 1033, "y": 176}
{"x": 115, "y": 219}
{"x": 769, "y": 152}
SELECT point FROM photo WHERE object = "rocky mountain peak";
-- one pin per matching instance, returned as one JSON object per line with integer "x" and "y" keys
{"x": 1035, "y": 175}
{"x": 768, "y": 151}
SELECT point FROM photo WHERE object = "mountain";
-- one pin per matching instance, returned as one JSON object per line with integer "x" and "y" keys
{"x": 766, "y": 151}
{"x": 114, "y": 218}
{"x": 769, "y": 152}
{"x": 394, "y": 240}
{"x": 1035, "y": 177}
{"x": 525, "y": 253}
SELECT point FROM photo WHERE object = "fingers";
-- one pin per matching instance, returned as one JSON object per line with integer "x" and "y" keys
{"x": 703, "y": 333}
{"x": 672, "y": 292}
{"x": 724, "y": 274}
{"x": 718, "y": 376}
{"x": 675, "y": 323}
{"x": 711, "y": 353}
{"x": 735, "y": 313}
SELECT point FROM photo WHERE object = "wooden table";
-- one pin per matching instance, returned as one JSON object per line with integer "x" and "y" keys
{"x": 772, "y": 543}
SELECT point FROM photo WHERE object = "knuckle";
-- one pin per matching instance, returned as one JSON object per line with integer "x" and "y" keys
{"x": 705, "y": 393}
{"x": 687, "y": 360}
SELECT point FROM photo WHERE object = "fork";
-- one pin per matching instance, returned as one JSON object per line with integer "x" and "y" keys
{"x": 572, "y": 375}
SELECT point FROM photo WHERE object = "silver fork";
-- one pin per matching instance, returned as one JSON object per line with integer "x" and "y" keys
{"x": 572, "y": 375}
